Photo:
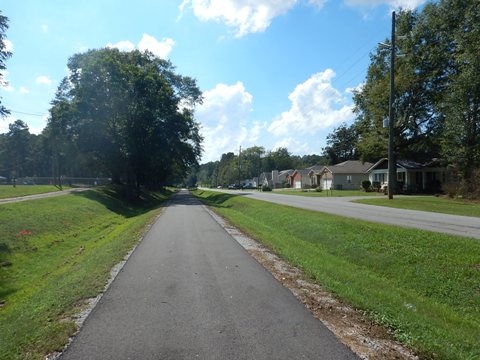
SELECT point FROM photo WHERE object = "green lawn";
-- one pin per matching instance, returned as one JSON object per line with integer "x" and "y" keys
{"x": 424, "y": 286}
{"x": 325, "y": 193}
{"x": 55, "y": 253}
{"x": 429, "y": 203}
{"x": 8, "y": 191}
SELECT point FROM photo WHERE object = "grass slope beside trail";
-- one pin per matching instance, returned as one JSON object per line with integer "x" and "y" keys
{"x": 424, "y": 286}
{"x": 429, "y": 203}
{"x": 54, "y": 254}
{"x": 8, "y": 191}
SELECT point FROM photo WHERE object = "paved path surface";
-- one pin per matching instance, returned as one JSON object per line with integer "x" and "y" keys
{"x": 41, "y": 196}
{"x": 450, "y": 224}
{"x": 189, "y": 291}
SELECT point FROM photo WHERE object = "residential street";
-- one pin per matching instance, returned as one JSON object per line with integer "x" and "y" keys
{"x": 449, "y": 224}
{"x": 190, "y": 291}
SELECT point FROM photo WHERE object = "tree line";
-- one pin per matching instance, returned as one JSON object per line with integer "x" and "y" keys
{"x": 437, "y": 93}
{"x": 232, "y": 168}
{"x": 124, "y": 115}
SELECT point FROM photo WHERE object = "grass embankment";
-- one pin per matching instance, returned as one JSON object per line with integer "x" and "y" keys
{"x": 429, "y": 203}
{"x": 424, "y": 286}
{"x": 8, "y": 191}
{"x": 327, "y": 193}
{"x": 55, "y": 253}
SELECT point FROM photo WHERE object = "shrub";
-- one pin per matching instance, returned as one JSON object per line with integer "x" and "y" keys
{"x": 266, "y": 188}
{"x": 366, "y": 185}
{"x": 318, "y": 189}
{"x": 376, "y": 186}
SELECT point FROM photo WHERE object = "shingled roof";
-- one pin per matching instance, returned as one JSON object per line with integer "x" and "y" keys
{"x": 349, "y": 167}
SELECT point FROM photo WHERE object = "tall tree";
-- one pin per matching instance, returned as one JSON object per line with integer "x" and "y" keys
{"x": 18, "y": 147}
{"x": 131, "y": 112}
{"x": 341, "y": 144}
{"x": 4, "y": 55}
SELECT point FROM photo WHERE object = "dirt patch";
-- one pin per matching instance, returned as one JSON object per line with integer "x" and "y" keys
{"x": 362, "y": 336}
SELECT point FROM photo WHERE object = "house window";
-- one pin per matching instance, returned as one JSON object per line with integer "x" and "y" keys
{"x": 401, "y": 177}
{"x": 349, "y": 179}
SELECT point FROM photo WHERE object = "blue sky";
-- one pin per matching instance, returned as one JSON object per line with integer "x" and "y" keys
{"x": 273, "y": 72}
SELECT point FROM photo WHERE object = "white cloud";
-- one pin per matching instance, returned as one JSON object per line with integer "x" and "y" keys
{"x": 123, "y": 45}
{"x": 253, "y": 16}
{"x": 315, "y": 105}
{"x": 43, "y": 80}
{"x": 23, "y": 90}
{"x": 245, "y": 16}
{"x": 8, "y": 45}
{"x": 224, "y": 116}
{"x": 45, "y": 28}
{"x": 300, "y": 147}
{"x": 317, "y": 3}
{"x": 7, "y": 87}
{"x": 159, "y": 48}
{"x": 404, "y": 4}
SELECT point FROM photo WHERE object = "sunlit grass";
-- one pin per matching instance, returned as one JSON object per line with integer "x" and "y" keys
{"x": 54, "y": 253}
{"x": 423, "y": 286}
{"x": 8, "y": 191}
{"x": 429, "y": 203}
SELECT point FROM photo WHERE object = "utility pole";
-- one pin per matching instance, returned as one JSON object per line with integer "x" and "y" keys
{"x": 239, "y": 169}
{"x": 391, "y": 155}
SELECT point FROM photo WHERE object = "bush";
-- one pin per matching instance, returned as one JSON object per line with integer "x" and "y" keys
{"x": 376, "y": 186}
{"x": 318, "y": 189}
{"x": 366, "y": 185}
{"x": 266, "y": 188}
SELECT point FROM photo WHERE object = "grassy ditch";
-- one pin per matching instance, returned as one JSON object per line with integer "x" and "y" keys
{"x": 424, "y": 286}
{"x": 327, "y": 193}
{"x": 8, "y": 191}
{"x": 54, "y": 254}
{"x": 429, "y": 203}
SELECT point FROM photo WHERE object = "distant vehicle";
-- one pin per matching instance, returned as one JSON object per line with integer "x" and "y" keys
{"x": 219, "y": 186}
{"x": 233, "y": 187}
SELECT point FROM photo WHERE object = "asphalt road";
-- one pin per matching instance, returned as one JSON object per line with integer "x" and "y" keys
{"x": 190, "y": 291}
{"x": 444, "y": 223}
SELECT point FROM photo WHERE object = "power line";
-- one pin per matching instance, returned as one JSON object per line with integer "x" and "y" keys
{"x": 26, "y": 113}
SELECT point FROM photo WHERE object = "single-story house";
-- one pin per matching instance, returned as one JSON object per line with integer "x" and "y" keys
{"x": 300, "y": 179}
{"x": 347, "y": 175}
{"x": 411, "y": 176}
{"x": 265, "y": 179}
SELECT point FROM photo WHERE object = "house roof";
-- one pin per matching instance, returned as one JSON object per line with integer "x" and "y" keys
{"x": 267, "y": 175}
{"x": 407, "y": 164}
{"x": 286, "y": 172}
{"x": 349, "y": 167}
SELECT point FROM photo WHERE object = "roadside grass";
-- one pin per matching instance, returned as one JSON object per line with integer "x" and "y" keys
{"x": 54, "y": 254}
{"x": 327, "y": 193}
{"x": 423, "y": 286}
{"x": 8, "y": 191}
{"x": 429, "y": 203}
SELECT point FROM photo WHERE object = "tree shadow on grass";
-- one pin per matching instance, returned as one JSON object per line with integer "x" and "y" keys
{"x": 217, "y": 200}
{"x": 114, "y": 199}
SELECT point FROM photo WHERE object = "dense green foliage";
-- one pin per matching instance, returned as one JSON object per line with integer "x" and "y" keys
{"x": 124, "y": 115}
{"x": 54, "y": 254}
{"x": 4, "y": 55}
{"x": 253, "y": 161}
{"x": 437, "y": 92}
{"x": 420, "y": 284}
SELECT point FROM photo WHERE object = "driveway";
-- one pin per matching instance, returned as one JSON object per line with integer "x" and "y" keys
{"x": 444, "y": 223}
{"x": 190, "y": 291}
